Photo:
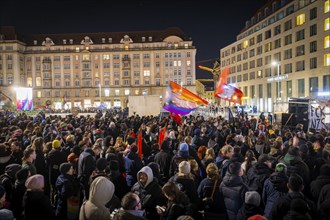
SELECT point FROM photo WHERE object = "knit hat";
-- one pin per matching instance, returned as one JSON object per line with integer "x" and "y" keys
{"x": 280, "y": 167}
{"x": 101, "y": 164}
{"x": 184, "y": 167}
{"x": 6, "y": 214}
{"x": 252, "y": 198}
{"x": 65, "y": 167}
{"x": 234, "y": 168}
{"x": 35, "y": 182}
{"x": 184, "y": 150}
{"x": 2, "y": 191}
{"x": 130, "y": 140}
{"x": 56, "y": 144}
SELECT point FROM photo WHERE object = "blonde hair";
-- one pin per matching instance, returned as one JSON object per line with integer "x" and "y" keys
{"x": 226, "y": 149}
{"x": 193, "y": 165}
{"x": 209, "y": 154}
{"x": 212, "y": 171}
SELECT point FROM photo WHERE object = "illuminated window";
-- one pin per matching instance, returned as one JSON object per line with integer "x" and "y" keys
{"x": 327, "y": 24}
{"x": 126, "y": 91}
{"x": 327, "y": 42}
{"x": 106, "y": 57}
{"x": 117, "y": 92}
{"x": 107, "y": 92}
{"x": 39, "y": 94}
{"x": 38, "y": 81}
{"x": 29, "y": 81}
{"x": 245, "y": 44}
{"x": 327, "y": 59}
{"x": 146, "y": 73}
{"x": 300, "y": 20}
{"x": 136, "y": 92}
{"x": 326, "y": 6}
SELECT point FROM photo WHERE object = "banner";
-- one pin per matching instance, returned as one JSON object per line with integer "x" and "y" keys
{"x": 24, "y": 99}
{"x": 319, "y": 117}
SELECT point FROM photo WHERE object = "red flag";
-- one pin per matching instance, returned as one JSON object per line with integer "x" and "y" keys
{"x": 139, "y": 140}
{"x": 133, "y": 134}
{"x": 176, "y": 117}
{"x": 162, "y": 135}
{"x": 225, "y": 91}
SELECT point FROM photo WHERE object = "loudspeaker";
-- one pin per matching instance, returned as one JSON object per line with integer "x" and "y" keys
{"x": 300, "y": 114}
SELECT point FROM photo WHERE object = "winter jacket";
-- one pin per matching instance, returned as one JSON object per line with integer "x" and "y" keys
{"x": 37, "y": 206}
{"x": 150, "y": 194}
{"x": 256, "y": 177}
{"x": 176, "y": 209}
{"x": 233, "y": 191}
{"x": 132, "y": 166}
{"x": 317, "y": 185}
{"x": 274, "y": 187}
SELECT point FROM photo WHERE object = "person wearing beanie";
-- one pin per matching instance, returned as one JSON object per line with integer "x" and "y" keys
{"x": 184, "y": 180}
{"x": 18, "y": 192}
{"x": 149, "y": 192}
{"x": 296, "y": 165}
{"x": 184, "y": 168}
{"x": 163, "y": 159}
{"x": 36, "y": 204}
{"x": 281, "y": 207}
{"x": 53, "y": 161}
{"x": 181, "y": 155}
{"x": 233, "y": 189}
{"x": 56, "y": 144}
{"x": 274, "y": 187}
{"x": 66, "y": 186}
{"x": 100, "y": 193}
{"x": 251, "y": 206}
{"x": 6, "y": 214}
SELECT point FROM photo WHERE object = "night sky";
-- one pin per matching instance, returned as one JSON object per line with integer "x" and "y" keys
{"x": 211, "y": 24}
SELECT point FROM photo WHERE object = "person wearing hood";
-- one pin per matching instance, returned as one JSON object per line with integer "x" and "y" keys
{"x": 7, "y": 180}
{"x": 100, "y": 193}
{"x": 149, "y": 191}
{"x": 117, "y": 179}
{"x": 274, "y": 187}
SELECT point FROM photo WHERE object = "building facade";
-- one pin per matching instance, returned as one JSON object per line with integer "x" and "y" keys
{"x": 85, "y": 70}
{"x": 283, "y": 52}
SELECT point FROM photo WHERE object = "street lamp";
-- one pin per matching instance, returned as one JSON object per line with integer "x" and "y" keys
{"x": 100, "y": 93}
{"x": 278, "y": 80}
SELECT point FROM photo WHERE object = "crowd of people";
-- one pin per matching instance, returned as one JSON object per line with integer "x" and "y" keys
{"x": 113, "y": 166}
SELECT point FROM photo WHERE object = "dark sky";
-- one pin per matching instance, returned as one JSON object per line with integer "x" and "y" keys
{"x": 211, "y": 24}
